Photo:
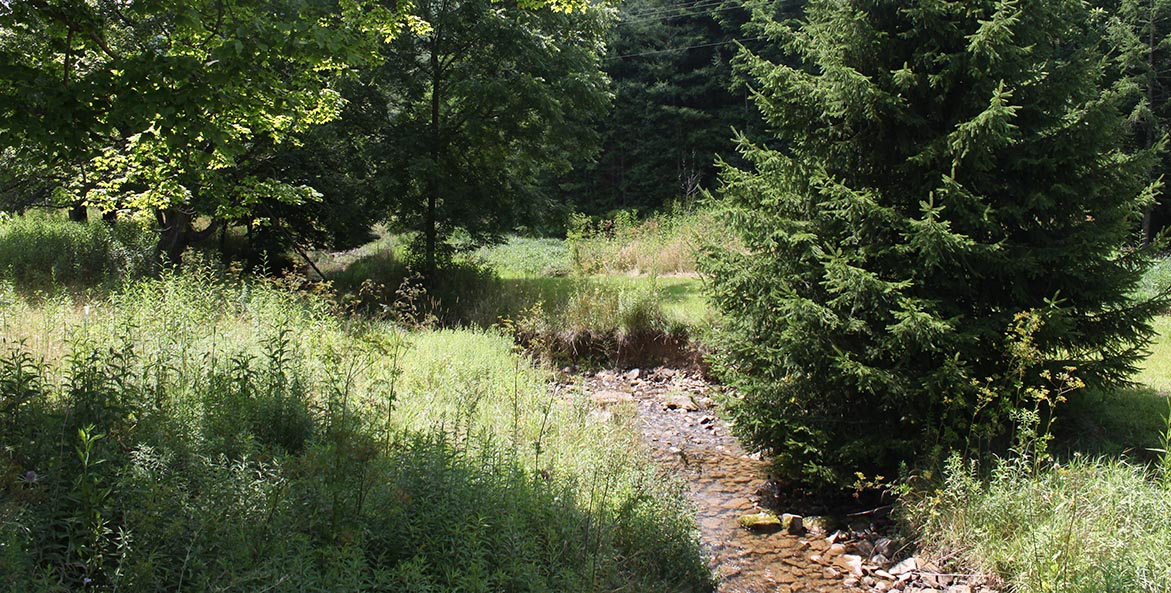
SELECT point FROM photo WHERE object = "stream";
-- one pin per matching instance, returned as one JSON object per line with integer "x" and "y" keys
{"x": 684, "y": 435}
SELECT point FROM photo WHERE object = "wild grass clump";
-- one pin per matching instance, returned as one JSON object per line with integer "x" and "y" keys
{"x": 664, "y": 244}
{"x": 1087, "y": 525}
{"x": 42, "y": 251}
{"x": 200, "y": 434}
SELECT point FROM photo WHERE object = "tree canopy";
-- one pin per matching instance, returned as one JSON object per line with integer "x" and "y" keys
{"x": 172, "y": 108}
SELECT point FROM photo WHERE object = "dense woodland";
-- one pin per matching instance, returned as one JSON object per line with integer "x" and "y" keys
{"x": 278, "y": 271}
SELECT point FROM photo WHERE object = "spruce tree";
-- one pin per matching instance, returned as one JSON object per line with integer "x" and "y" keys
{"x": 937, "y": 173}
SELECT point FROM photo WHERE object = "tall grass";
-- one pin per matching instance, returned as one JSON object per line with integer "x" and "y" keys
{"x": 41, "y": 251}
{"x": 1085, "y": 526}
{"x": 661, "y": 245}
{"x": 200, "y": 434}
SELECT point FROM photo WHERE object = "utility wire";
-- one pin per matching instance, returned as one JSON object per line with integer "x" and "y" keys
{"x": 704, "y": 4}
{"x": 671, "y": 49}
{"x": 673, "y": 16}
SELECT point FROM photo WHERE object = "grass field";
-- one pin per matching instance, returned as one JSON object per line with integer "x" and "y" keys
{"x": 206, "y": 434}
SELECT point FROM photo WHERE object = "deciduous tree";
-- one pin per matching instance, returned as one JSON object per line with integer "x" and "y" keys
{"x": 172, "y": 108}
{"x": 484, "y": 104}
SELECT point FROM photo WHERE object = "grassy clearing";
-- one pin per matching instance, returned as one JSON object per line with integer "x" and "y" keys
{"x": 203, "y": 434}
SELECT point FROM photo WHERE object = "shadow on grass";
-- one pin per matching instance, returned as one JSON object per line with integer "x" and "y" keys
{"x": 1126, "y": 422}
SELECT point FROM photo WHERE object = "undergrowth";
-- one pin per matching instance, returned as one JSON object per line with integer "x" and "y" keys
{"x": 40, "y": 251}
{"x": 663, "y": 244}
{"x": 1079, "y": 523}
{"x": 1090, "y": 525}
{"x": 198, "y": 433}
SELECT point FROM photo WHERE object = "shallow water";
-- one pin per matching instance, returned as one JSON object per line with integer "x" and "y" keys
{"x": 692, "y": 443}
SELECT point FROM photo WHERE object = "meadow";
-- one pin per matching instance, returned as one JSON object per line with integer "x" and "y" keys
{"x": 203, "y": 431}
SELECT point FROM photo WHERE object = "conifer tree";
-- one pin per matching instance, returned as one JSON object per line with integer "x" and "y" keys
{"x": 938, "y": 172}
{"x": 1140, "y": 39}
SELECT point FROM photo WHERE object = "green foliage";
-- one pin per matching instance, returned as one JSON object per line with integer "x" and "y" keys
{"x": 478, "y": 110}
{"x": 46, "y": 251}
{"x": 1084, "y": 526}
{"x": 923, "y": 189}
{"x": 171, "y": 110}
{"x": 205, "y": 435}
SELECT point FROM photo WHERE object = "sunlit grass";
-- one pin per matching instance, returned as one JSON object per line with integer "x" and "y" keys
{"x": 268, "y": 439}
{"x": 1156, "y": 370}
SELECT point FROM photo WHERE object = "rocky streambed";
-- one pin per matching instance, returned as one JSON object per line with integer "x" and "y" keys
{"x": 753, "y": 546}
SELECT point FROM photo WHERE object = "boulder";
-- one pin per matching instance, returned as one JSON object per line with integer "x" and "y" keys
{"x": 850, "y": 563}
{"x": 794, "y": 524}
{"x": 906, "y": 566}
{"x": 680, "y": 401}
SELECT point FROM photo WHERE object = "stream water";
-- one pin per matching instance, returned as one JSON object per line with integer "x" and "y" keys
{"x": 692, "y": 443}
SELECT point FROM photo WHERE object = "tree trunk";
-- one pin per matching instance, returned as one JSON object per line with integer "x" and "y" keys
{"x": 174, "y": 228}
{"x": 176, "y": 234}
{"x": 430, "y": 230}
{"x": 79, "y": 213}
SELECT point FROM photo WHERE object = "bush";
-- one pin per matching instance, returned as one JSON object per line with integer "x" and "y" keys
{"x": 928, "y": 190}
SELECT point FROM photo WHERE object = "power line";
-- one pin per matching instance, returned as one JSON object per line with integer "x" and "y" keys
{"x": 703, "y": 4}
{"x": 679, "y": 15}
{"x": 671, "y": 49}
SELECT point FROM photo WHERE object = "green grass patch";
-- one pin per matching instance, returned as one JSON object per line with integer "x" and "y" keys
{"x": 1156, "y": 371}
{"x": 204, "y": 434}
{"x": 527, "y": 257}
